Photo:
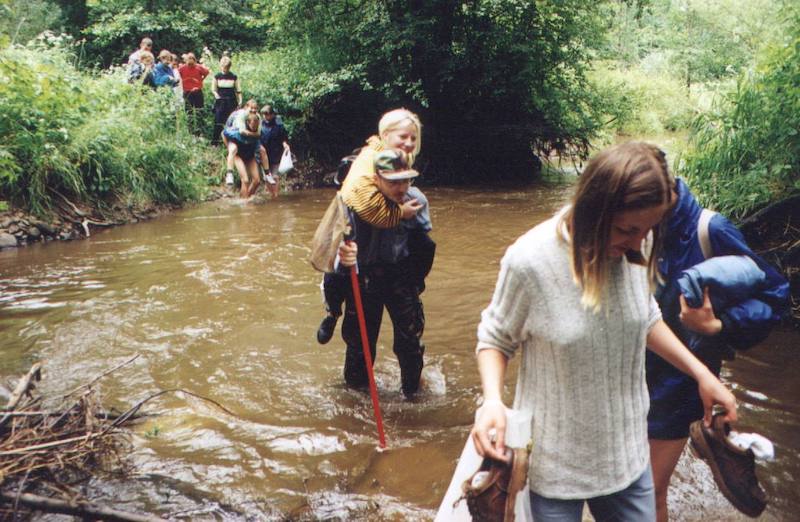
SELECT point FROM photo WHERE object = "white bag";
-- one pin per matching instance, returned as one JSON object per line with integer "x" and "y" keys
{"x": 286, "y": 162}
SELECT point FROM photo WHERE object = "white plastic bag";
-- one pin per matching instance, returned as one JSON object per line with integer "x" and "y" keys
{"x": 286, "y": 162}
{"x": 518, "y": 434}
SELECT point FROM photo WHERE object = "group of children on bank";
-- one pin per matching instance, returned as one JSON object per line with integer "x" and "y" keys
{"x": 253, "y": 144}
{"x": 184, "y": 76}
{"x": 612, "y": 373}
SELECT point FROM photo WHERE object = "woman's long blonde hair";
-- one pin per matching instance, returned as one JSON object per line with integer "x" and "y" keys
{"x": 396, "y": 119}
{"x": 630, "y": 176}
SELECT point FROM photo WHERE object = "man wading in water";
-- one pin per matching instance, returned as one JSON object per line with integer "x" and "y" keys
{"x": 385, "y": 276}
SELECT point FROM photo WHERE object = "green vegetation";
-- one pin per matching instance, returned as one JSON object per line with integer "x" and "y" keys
{"x": 664, "y": 59}
{"x": 747, "y": 149}
{"x": 494, "y": 82}
{"x": 723, "y": 70}
{"x": 90, "y": 138}
{"x": 112, "y": 28}
{"x": 490, "y": 79}
{"x": 23, "y": 20}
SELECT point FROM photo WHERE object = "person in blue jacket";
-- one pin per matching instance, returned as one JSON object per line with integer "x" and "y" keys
{"x": 162, "y": 72}
{"x": 711, "y": 334}
{"x": 274, "y": 140}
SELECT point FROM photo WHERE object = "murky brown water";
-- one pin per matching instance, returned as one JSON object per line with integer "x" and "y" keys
{"x": 219, "y": 300}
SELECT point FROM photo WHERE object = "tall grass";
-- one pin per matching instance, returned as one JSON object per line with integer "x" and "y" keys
{"x": 90, "y": 137}
{"x": 746, "y": 152}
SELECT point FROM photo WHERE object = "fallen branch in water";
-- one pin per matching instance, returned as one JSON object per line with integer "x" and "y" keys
{"x": 25, "y": 385}
{"x": 45, "y": 449}
{"x": 81, "y": 509}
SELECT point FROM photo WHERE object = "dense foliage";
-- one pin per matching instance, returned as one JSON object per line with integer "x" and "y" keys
{"x": 89, "y": 138}
{"x": 664, "y": 59}
{"x": 23, "y": 20}
{"x": 495, "y": 81}
{"x": 491, "y": 79}
{"x": 112, "y": 28}
{"x": 747, "y": 149}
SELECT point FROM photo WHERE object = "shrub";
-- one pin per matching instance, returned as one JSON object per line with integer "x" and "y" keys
{"x": 746, "y": 151}
{"x": 89, "y": 137}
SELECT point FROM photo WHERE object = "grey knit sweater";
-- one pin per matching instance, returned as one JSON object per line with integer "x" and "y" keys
{"x": 582, "y": 373}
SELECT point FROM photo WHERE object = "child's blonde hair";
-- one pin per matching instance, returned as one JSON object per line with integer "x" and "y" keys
{"x": 398, "y": 118}
{"x": 630, "y": 176}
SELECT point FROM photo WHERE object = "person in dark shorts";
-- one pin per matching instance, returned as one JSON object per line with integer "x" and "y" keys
{"x": 245, "y": 156}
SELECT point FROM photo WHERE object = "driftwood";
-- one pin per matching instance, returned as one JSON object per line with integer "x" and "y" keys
{"x": 82, "y": 509}
{"x": 23, "y": 386}
{"x": 45, "y": 450}
{"x": 774, "y": 233}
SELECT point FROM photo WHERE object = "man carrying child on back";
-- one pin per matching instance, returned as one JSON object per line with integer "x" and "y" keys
{"x": 387, "y": 273}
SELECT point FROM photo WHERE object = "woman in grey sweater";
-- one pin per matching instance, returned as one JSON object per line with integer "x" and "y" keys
{"x": 574, "y": 295}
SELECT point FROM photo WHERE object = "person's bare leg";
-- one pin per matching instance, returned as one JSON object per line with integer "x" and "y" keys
{"x": 274, "y": 188}
{"x": 664, "y": 455}
{"x": 255, "y": 179}
{"x": 262, "y": 153}
{"x": 243, "y": 177}
{"x": 233, "y": 150}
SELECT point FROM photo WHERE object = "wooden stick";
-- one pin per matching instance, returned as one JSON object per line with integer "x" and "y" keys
{"x": 23, "y": 386}
{"x": 115, "y": 368}
{"x": 82, "y": 509}
{"x": 46, "y": 445}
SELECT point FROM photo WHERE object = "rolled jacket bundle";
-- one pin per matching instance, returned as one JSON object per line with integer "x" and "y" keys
{"x": 730, "y": 279}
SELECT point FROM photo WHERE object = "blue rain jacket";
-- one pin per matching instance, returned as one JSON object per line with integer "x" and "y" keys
{"x": 674, "y": 400}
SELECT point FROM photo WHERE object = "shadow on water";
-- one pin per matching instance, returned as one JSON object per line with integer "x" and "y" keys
{"x": 220, "y": 301}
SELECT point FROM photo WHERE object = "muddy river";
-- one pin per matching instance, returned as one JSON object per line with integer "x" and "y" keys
{"x": 220, "y": 301}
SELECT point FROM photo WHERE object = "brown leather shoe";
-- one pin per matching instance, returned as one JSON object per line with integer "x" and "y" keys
{"x": 491, "y": 491}
{"x": 734, "y": 469}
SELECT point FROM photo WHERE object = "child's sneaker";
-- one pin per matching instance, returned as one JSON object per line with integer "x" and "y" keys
{"x": 734, "y": 469}
{"x": 271, "y": 180}
{"x": 229, "y": 178}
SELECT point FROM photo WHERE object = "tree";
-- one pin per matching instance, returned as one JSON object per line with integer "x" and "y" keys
{"x": 23, "y": 20}
{"x": 491, "y": 79}
{"x": 747, "y": 150}
{"x": 115, "y": 27}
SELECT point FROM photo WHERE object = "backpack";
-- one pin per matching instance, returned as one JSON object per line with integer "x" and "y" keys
{"x": 344, "y": 166}
{"x": 702, "y": 233}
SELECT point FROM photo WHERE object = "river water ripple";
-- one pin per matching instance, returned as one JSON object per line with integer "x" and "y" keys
{"x": 219, "y": 300}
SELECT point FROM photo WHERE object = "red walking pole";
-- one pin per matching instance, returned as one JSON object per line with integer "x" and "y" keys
{"x": 373, "y": 390}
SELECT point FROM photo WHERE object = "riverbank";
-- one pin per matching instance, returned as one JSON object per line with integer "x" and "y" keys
{"x": 71, "y": 220}
{"x": 773, "y": 232}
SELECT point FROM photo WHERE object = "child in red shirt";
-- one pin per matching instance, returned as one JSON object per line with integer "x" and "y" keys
{"x": 192, "y": 76}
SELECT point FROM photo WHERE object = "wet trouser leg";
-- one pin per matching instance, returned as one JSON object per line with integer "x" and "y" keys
{"x": 408, "y": 319}
{"x": 372, "y": 294}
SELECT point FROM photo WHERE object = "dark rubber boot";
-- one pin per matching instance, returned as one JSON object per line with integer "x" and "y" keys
{"x": 326, "y": 328}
